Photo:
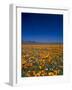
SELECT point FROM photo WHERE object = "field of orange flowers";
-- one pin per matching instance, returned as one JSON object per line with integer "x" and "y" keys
{"x": 42, "y": 60}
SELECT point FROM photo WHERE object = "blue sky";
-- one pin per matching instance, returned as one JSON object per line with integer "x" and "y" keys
{"x": 46, "y": 28}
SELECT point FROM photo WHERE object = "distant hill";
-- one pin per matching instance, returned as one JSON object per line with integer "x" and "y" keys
{"x": 34, "y": 42}
{"x": 28, "y": 42}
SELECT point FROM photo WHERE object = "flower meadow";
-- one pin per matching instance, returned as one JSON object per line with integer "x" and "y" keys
{"x": 41, "y": 60}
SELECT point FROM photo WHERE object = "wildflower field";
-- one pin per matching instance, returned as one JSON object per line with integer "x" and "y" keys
{"x": 41, "y": 60}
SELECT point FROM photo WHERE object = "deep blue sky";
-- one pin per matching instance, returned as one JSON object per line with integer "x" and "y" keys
{"x": 42, "y": 27}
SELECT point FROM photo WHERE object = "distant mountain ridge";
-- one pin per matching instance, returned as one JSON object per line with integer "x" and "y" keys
{"x": 34, "y": 42}
{"x": 29, "y": 42}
